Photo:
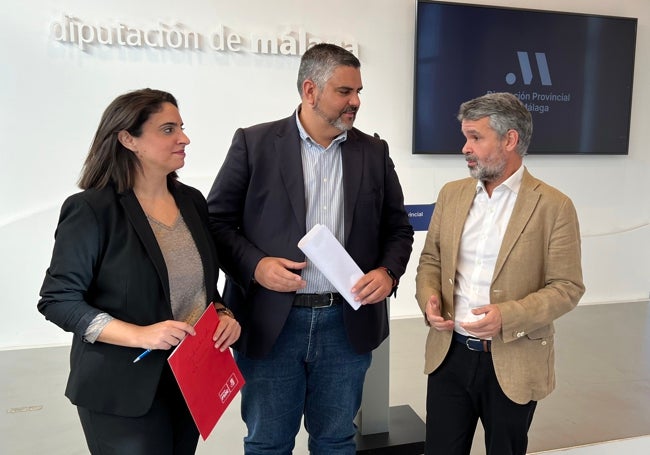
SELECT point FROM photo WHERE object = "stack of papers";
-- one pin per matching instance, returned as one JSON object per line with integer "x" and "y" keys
{"x": 329, "y": 256}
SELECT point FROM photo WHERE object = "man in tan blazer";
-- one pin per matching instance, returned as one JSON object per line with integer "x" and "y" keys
{"x": 500, "y": 263}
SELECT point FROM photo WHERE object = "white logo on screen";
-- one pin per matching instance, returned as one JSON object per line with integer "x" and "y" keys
{"x": 527, "y": 71}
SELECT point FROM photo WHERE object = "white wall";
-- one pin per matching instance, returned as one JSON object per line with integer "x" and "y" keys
{"x": 52, "y": 94}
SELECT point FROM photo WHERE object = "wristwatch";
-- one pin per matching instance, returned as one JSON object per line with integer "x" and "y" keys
{"x": 225, "y": 311}
{"x": 395, "y": 280}
{"x": 392, "y": 276}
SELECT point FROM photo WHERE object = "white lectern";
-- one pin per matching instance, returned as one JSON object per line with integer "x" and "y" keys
{"x": 383, "y": 429}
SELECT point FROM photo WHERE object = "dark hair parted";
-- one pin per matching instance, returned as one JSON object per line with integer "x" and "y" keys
{"x": 108, "y": 160}
{"x": 320, "y": 61}
{"x": 506, "y": 112}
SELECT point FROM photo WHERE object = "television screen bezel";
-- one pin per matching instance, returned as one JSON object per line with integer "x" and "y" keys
{"x": 530, "y": 10}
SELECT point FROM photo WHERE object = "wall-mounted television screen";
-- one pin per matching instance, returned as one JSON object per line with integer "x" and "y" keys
{"x": 573, "y": 72}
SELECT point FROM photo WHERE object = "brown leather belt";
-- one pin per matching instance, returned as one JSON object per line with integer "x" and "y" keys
{"x": 318, "y": 300}
{"x": 473, "y": 344}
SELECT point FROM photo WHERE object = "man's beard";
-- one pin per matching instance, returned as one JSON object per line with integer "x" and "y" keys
{"x": 337, "y": 122}
{"x": 487, "y": 172}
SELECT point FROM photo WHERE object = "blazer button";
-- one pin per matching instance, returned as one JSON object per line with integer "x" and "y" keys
{"x": 544, "y": 343}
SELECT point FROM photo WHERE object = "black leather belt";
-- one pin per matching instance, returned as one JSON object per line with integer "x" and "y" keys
{"x": 318, "y": 300}
{"x": 473, "y": 344}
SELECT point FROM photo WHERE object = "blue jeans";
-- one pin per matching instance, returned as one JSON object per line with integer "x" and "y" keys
{"x": 311, "y": 370}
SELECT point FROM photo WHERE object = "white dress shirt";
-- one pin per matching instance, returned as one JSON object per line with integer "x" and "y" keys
{"x": 480, "y": 243}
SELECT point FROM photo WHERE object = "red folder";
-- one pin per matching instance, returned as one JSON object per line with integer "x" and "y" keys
{"x": 208, "y": 378}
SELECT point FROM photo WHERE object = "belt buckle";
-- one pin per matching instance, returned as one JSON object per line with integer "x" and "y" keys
{"x": 473, "y": 340}
{"x": 331, "y": 294}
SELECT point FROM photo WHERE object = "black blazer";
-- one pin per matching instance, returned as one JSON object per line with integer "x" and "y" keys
{"x": 257, "y": 209}
{"x": 106, "y": 259}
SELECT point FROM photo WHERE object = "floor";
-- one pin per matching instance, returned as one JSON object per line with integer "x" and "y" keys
{"x": 603, "y": 389}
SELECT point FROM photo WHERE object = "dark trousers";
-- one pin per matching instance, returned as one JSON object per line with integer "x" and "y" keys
{"x": 167, "y": 429}
{"x": 461, "y": 391}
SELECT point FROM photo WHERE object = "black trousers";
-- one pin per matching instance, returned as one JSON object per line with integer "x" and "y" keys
{"x": 461, "y": 391}
{"x": 167, "y": 429}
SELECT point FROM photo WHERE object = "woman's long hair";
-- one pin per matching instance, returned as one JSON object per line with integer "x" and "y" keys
{"x": 108, "y": 160}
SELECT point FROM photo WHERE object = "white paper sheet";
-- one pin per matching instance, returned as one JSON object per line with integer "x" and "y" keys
{"x": 329, "y": 256}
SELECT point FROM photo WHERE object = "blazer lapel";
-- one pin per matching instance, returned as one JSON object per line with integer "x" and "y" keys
{"x": 464, "y": 201}
{"x": 352, "y": 156}
{"x": 524, "y": 207}
{"x": 287, "y": 148}
{"x": 142, "y": 228}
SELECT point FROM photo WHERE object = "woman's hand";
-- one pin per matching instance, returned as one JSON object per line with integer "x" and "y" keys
{"x": 227, "y": 331}
{"x": 162, "y": 335}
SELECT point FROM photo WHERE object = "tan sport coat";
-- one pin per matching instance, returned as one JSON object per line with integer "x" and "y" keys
{"x": 537, "y": 278}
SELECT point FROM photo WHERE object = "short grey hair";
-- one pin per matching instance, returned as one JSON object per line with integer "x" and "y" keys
{"x": 506, "y": 112}
{"x": 320, "y": 61}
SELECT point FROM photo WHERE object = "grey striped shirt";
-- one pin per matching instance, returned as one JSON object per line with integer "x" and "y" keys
{"x": 322, "y": 171}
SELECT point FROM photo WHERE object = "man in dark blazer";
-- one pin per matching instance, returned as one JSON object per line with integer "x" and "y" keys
{"x": 303, "y": 349}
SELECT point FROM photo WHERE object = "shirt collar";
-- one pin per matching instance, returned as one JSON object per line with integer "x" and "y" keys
{"x": 305, "y": 137}
{"x": 513, "y": 183}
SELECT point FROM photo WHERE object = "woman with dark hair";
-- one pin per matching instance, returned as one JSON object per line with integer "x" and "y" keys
{"x": 133, "y": 268}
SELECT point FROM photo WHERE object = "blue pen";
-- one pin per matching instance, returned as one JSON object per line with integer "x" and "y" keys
{"x": 141, "y": 356}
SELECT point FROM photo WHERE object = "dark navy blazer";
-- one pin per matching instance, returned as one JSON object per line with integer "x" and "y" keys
{"x": 257, "y": 209}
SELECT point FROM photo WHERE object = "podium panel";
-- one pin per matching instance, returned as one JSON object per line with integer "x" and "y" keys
{"x": 385, "y": 430}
